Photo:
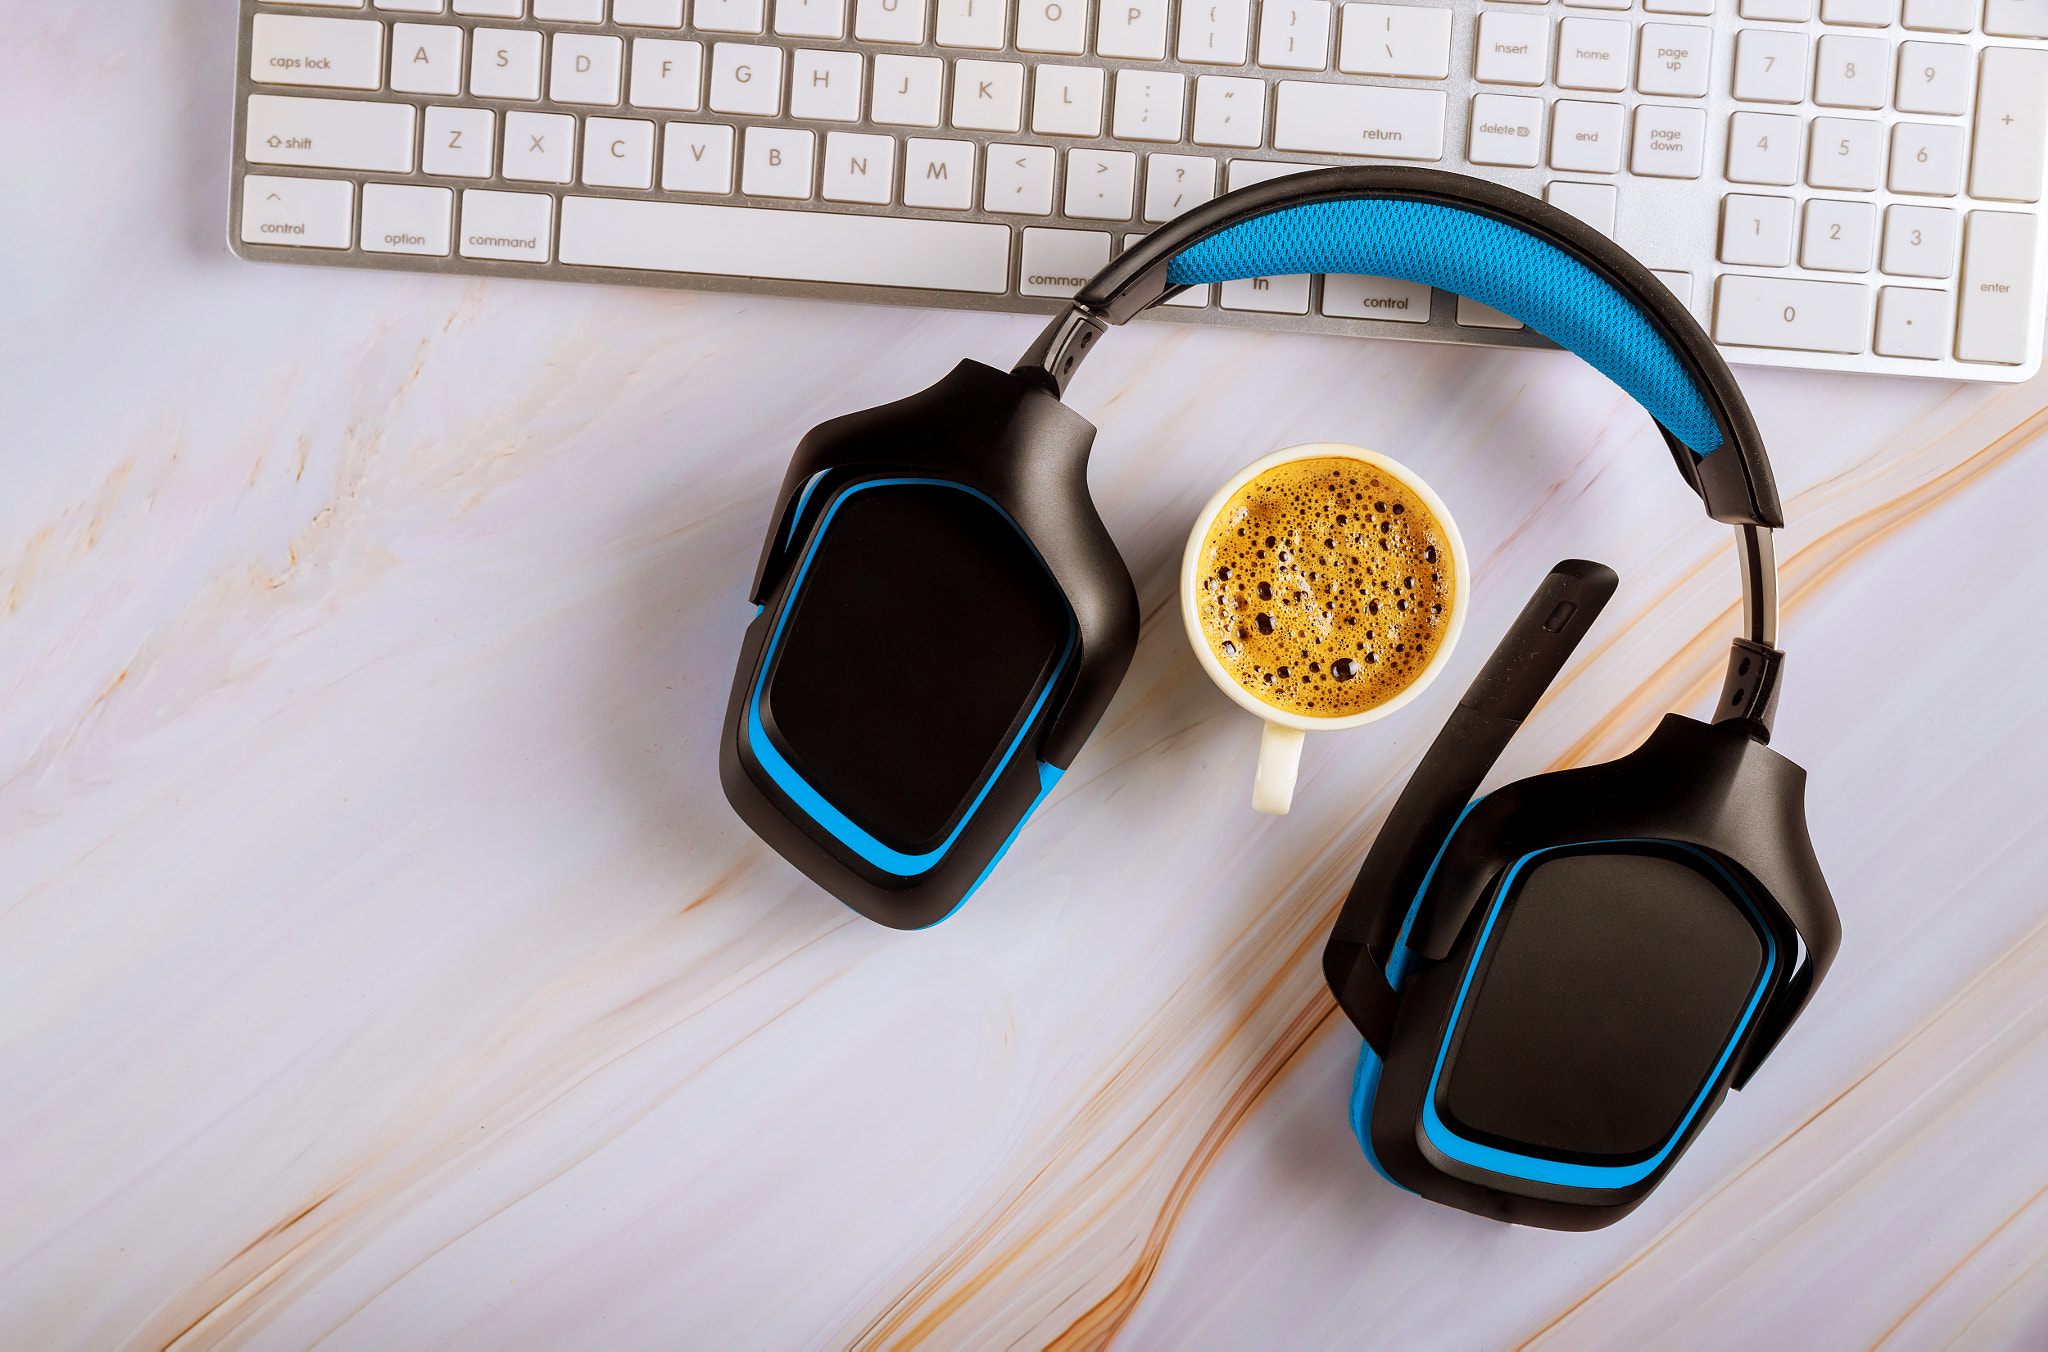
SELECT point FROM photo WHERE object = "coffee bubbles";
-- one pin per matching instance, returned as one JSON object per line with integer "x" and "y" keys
{"x": 1326, "y": 587}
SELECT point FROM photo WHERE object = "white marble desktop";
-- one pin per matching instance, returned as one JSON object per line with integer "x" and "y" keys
{"x": 382, "y": 968}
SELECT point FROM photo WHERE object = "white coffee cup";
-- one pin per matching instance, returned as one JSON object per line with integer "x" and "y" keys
{"x": 1280, "y": 748}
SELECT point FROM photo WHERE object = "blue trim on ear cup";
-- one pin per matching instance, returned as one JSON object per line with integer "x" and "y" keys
{"x": 1541, "y": 1170}
{"x": 815, "y": 804}
{"x": 1472, "y": 255}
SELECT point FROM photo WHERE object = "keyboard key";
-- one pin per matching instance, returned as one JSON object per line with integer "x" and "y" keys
{"x": 569, "y": 11}
{"x": 1780, "y": 11}
{"x": 776, "y": 162}
{"x": 648, "y": 13}
{"x": 504, "y": 63}
{"x": 810, "y": 18}
{"x": 1998, "y": 278}
{"x": 1066, "y": 101}
{"x": 988, "y": 95}
{"x": 1670, "y": 142}
{"x": 1934, "y": 77}
{"x": 618, "y": 152}
{"x": 1598, "y": 4}
{"x": 667, "y": 74}
{"x": 403, "y": 219}
{"x": 1019, "y": 180}
{"x": 1132, "y": 29}
{"x": 1593, "y": 54}
{"x": 1919, "y": 241}
{"x": 1788, "y": 313}
{"x": 1673, "y": 60}
{"x": 517, "y": 226}
{"x": 1389, "y": 298}
{"x": 1585, "y": 136}
{"x": 798, "y": 246}
{"x": 938, "y": 174}
{"x": 2016, "y": 18}
{"x": 1056, "y": 26}
{"x": 1229, "y": 111}
{"x": 1846, "y": 153}
{"x": 1911, "y": 322}
{"x": 906, "y": 92}
{"x": 1472, "y": 315}
{"x": 892, "y": 21}
{"x": 981, "y": 24}
{"x": 426, "y": 58}
{"x": 1858, "y": 13}
{"x": 1592, "y": 203}
{"x": 585, "y": 69}
{"x": 1512, "y": 48}
{"x": 1838, "y": 236}
{"x": 1940, "y": 16}
{"x": 1245, "y": 173}
{"x": 1269, "y": 295}
{"x": 329, "y": 133}
{"x": 1756, "y": 232}
{"x": 859, "y": 168}
{"x": 493, "y": 9}
{"x": 1294, "y": 34}
{"x": 305, "y": 213}
{"x": 1927, "y": 159}
{"x": 328, "y": 53}
{"x": 1150, "y": 106}
{"x": 1177, "y": 183}
{"x": 539, "y": 147}
{"x": 1506, "y": 130}
{"x": 1394, "y": 124}
{"x": 1852, "y": 72}
{"x": 1213, "y": 32}
{"x": 746, "y": 79}
{"x": 2012, "y": 114}
{"x": 1678, "y": 283}
{"x": 459, "y": 142}
{"x": 697, "y": 157}
{"x": 1699, "y": 7}
{"x": 728, "y": 16}
{"x": 1101, "y": 184}
{"x": 1060, "y": 262}
{"x": 825, "y": 86}
{"x": 1770, "y": 65}
{"x": 1763, "y": 148}
{"x": 1411, "y": 41}
{"x": 406, "y": 6}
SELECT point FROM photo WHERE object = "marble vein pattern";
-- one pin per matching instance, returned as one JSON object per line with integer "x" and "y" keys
{"x": 380, "y": 966}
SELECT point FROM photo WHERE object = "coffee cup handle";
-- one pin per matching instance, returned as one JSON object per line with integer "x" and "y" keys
{"x": 1279, "y": 758}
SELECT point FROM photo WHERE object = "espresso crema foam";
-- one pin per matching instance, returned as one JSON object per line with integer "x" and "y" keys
{"x": 1326, "y": 586}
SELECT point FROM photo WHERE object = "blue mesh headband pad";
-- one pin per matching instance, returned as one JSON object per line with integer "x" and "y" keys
{"x": 1500, "y": 247}
{"x": 1471, "y": 255}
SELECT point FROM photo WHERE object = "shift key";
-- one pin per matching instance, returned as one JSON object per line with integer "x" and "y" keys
{"x": 1993, "y": 321}
{"x": 330, "y": 133}
{"x": 2012, "y": 124}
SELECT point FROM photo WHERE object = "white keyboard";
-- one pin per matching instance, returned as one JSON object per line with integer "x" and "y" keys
{"x": 1832, "y": 184}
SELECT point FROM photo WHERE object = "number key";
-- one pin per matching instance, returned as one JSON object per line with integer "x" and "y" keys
{"x": 1770, "y": 65}
{"x": 1919, "y": 241}
{"x": 1846, "y": 153}
{"x": 1839, "y": 236}
{"x": 1934, "y": 77}
{"x": 1927, "y": 159}
{"x": 1851, "y": 72}
{"x": 1763, "y": 148}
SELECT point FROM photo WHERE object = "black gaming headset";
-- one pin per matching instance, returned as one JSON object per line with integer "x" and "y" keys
{"x": 1557, "y": 984}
